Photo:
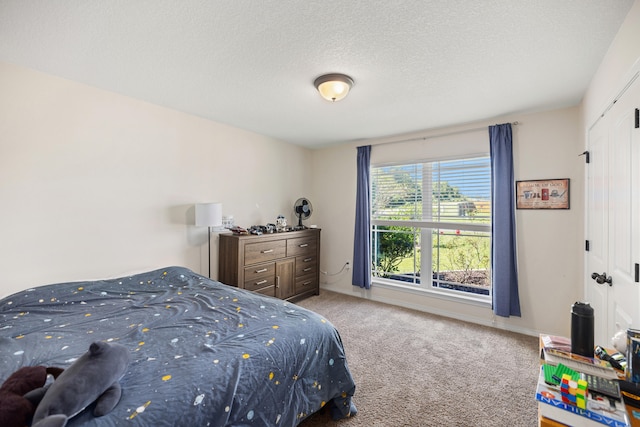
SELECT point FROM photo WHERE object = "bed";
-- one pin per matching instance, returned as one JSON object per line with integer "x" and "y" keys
{"x": 203, "y": 353}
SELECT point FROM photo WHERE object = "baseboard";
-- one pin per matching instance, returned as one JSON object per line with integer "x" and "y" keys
{"x": 431, "y": 310}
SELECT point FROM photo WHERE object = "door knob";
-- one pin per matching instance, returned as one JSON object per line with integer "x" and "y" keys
{"x": 602, "y": 278}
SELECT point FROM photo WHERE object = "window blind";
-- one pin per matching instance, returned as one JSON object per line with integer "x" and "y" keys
{"x": 441, "y": 191}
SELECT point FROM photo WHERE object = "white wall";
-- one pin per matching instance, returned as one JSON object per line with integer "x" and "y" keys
{"x": 619, "y": 67}
{"x": 546, "y": 145}
{"x": 622, "y": 57}
{"x": 550, "y": 243}
{"x": 94, "y": 184}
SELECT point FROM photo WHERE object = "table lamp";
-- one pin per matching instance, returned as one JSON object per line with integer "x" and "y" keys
{"x": 209, "y": 215}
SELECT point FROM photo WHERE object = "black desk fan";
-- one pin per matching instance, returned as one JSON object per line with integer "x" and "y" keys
{"x": 303, "y": 209}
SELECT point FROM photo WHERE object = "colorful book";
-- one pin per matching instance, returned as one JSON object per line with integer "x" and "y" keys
{"x": 598, "y": 411}
{"x": 556, "y": 342}
{"x": 554, "y": 351}
{"x": 597, "y": 367}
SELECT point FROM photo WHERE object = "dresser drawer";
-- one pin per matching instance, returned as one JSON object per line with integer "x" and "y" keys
{"x": 259, "y": 283}
{"x": 270, "y": 291}
{"x": 305, "y": 283}
{"x": 306, "y": 265}
{"x": 264, "y": 251}
{"x": 302, "y": 246}
{"x": 259, "y": 271}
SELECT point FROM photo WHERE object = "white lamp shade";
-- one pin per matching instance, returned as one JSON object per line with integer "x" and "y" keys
{"x": 209, "y": 215}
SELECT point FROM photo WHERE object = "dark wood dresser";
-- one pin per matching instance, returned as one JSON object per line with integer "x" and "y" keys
{"x": 283, "y": 265}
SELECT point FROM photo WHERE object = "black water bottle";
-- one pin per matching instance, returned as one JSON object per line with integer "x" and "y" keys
{"x": 582, "y": 329}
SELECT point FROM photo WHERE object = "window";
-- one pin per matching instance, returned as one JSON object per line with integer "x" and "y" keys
{"x": 433, "y": 220}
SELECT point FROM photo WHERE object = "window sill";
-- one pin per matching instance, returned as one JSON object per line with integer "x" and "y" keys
{"x": 435, "y": 293}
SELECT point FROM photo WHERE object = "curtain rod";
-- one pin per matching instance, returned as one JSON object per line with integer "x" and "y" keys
{"x": 424, "y": 138}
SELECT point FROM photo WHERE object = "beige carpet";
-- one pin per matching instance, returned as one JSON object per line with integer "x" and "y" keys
{"x": 416, "y": 369}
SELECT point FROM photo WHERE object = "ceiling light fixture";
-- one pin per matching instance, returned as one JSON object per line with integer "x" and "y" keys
{"x": 333, "y": 87}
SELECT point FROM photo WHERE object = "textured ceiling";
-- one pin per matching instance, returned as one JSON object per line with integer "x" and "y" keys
{"x": 417, "y": 64}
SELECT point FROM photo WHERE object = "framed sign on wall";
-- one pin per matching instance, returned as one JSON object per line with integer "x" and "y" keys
{"x": 543, "y": 194}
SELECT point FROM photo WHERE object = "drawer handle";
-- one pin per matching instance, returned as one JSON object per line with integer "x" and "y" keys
{"x": 307, "y": 269}
{"x": 307, "y": 259}
{"x": 303, "y": 245}
{"x": 261, "y": 282}
{"x": 308, "y": 282}
{"x": 266, "y": 251}
{"x": 262, "y": 270}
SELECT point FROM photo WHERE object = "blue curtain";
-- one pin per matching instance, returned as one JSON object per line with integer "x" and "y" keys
{"x": 506, "y": 301}
{"x": 362, "y": 237}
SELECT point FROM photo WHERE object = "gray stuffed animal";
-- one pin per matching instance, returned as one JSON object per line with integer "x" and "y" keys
{"x": 92, "y": 378}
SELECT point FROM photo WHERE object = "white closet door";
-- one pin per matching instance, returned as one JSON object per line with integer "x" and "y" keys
{"x": 597, "y": 223}
{"x": 624, "y": 304}
{"x": 613, "y": 217}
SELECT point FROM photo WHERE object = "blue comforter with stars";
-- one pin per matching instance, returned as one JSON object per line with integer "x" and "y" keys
{"x": 203, "y": 353}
